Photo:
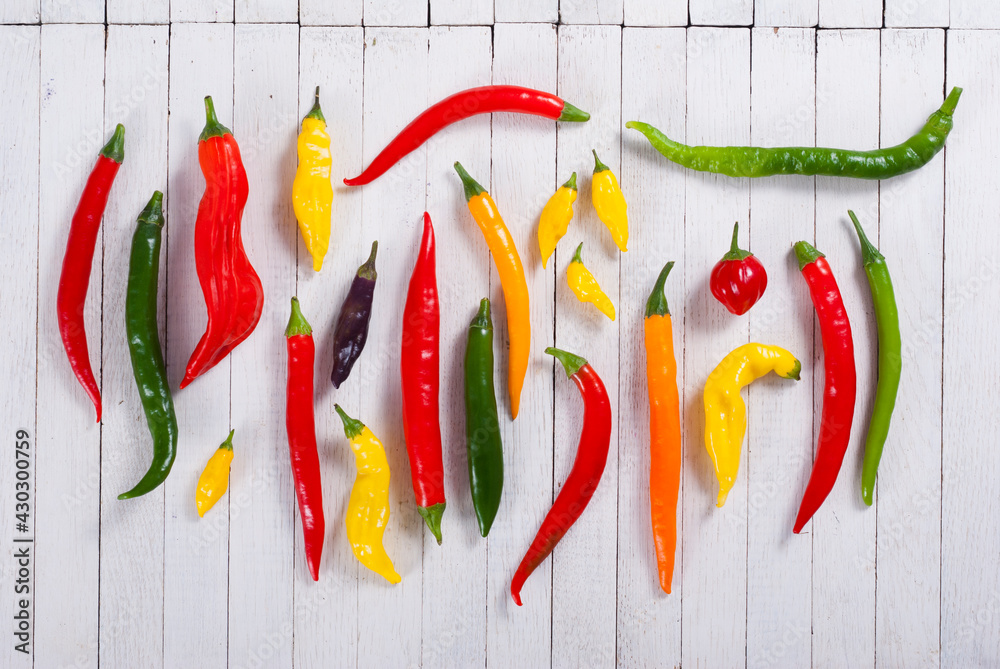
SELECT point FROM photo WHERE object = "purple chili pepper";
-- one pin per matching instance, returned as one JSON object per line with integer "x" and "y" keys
{"x": 351, "y": 331}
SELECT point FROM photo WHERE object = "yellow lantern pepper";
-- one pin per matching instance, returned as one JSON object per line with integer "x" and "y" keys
{"x": 368, "y": 508}
{"x": 556, "y": 215}
{"x": 312, "y": 192}
{"x": 585, "y": 286}
{"x": 610, "y": 203}
{"x": 725, "y": 410}
{"x": 214, "y": 481}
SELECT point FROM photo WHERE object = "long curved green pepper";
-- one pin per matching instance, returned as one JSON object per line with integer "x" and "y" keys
{"x": 144, "y": 346}
{"x": 482, "y": 426}
{"x": 890, "y": 358}
{"x": 750, "y": 161}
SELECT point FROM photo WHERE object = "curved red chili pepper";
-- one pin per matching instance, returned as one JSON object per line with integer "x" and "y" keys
{"x": 591, "y": 456}
{"x": 233, "y": 293}
{"x": 420, "y": 370}
{"x": 840, "y": 379}
{"x": 75, "y": 277}
{"x": 460, "y": 106}
{"x": 300, "y": 422}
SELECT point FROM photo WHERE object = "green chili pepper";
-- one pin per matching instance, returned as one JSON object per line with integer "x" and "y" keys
{"x": 890, "y": 358}
{"x": 482, "y": 427}
{"x": 748, "y": 161}
{"x": 144, "y": 346}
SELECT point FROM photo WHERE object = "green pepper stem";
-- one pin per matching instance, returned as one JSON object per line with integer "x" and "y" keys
{"x": 297, "y": 323}
{"x": 735, "y": 252}
{"x": 571, "y": 182}
{"x": 578, "y": 255}
{"x": 367, "y": 270}
{"x": 869, "y": 253}
{"x": 316, "y": 112}
{"x": 795, "y": 371}
{"x": 482, "y": 319}
{"x": 212, "y": 126}
{"x": 472, "y": 187}
{"x": 228, "y": 443}
{"x": 806, "y": 253}
{"x": 115, "y": 148}
{"x": 598, "y": 165}
{"x": 432, "y": 516}
{"x": 573, "y": 114}
{"x": 950, "y": 102}
{"x": 153, "y": 211}
{"x": 570, "y": 361}
{"x": 352, "y": 426}
{"x": 657, "y": 304}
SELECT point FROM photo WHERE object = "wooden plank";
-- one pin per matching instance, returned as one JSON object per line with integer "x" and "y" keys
{"x": 665, "y": 13}
{"x": 911, "y": 236}
{"x": 326, "y": 630}
{"x": 974, "y": 14}
{"x": 19, "y": 272}
{"x": 68, "y": 497}
{"x": 399, "y": 13}
{"x": 526, "y": 11}
{"x": 80, "y": 11}
{"x": 653, "y": 87}
{"x": 129, "y": 11}
{"x": 779, "y": 451}
{"x": 591, "y": 11}
{"x": 584, "y": 609}
{"x": 843, "y": 530}
{"x": 908, "y": 13}
{"x": 786, "y": 12}
{"x": 220, "y": 11}
{"x": 461, "y": 12}
{"x": 395, "y": 91}
{"x": 131, "y": 594}
{"x": 714, "y": 567}
{"x": 526, "y": 55}
{"x": 266, "y": 556}
{"x": 970, "y": 593}
{"x": 196, "y": 550}
{"x": 266, "y": 11}
{"x": 721, "y": 12}
{"x": 454, "y": 610}
{"x": 324, "y": 13}
{"x": 20, "y": 12}
{"x": 850, "y": 13}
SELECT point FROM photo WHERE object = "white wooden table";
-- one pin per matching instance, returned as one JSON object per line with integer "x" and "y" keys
{"x": 911, "y": 582}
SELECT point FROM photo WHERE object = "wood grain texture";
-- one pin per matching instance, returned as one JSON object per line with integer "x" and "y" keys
{"x": 461, "y": 12}
{"x": 266, "y": 11}
{"x": 129, "y": 11}
{"x": 526, "y": 11}
{"x": 974, "y": 14}
{"x": 72, "y": 11}
{"x": 721, "y": 12}
{"x": 923, "y": 14}
{"x": 666, "y": 13}
{"x": 591, "y": 11}
{"x": 325, "y": 13}
{"x": 201, "y": 11}
{"x": 20, "y": 12}
{"x": 395, "y": 13}
{"x": 850, "y": 13}
{"x": 786, "y": 12}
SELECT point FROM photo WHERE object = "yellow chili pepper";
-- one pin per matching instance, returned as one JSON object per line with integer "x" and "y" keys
{"x": 515, "y": 288}
{"x": 368, "y": 508}
{"x": 585, "y": 286}
{"x": 556, "y": 215}
{"x": 725, "y": 410}
{"x": 312, "y": 192}
{"x": 214, "y": 481}
{"x": 610, "y": 203}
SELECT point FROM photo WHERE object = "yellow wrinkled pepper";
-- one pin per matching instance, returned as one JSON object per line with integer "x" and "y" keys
{"x": 585, "y": 286}
{"x": 214, "y": 481}
{"x": 556, "y": 215}
{"x": 368, "y": 508}
{"x": 725, "y": 410}
{"x": 312, "y": 192}
{"x": 610, "y": 203}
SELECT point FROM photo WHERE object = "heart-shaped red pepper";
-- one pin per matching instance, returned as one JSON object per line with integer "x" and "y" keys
{"x": 739, "y": 279}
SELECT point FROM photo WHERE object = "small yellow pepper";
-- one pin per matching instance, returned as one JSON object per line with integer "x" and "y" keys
{"x": 214, "y": 481}
{"x": 585, "y": 286}
{"x": 725, "y": 410}
{"x": 556, "y": 215}
{"x": 368, "y": 508}
{"x": 312, "y": 192}
{"x": 610, "y": 203}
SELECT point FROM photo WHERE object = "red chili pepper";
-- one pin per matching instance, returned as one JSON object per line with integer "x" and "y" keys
{"x": 840, "y": 380}
{"x": 300, "y": 422}
{"x": 420, "y": 369}
{"x": 233, "y": 293}
{"x": 460, "y": 106}
{"x": 739, "y": 279}
{"x": 75, "y": 277}
{"x": 591, "y": 456}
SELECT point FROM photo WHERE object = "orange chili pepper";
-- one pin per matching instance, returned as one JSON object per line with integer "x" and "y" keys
{"x": 664, "y": 428}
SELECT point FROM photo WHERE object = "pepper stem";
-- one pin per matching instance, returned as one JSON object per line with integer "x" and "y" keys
{"x": 869, "y": 253}
{"x": 228, "y": 443}
{"x": 115, "y": 148}
{"x": 432, "y": 516}
{"x": 657, "y": 304}
{"x": 297, "y": 323}
{"x": 571, "y": 182}
{"x": 472, "y": 187}
{"x": 806, "y": 253}
{"x": 735, "y": 252}
{"x": 482, "y": 318}
{"x": 570, "y": 361}
{"x": 153, "y": 211}
{"x": 352, "y": 426}
{"x": 794, "y": 372}
{"x": 950, "y": 102}
{"x": 367, "y": 270}
{"x": 598, "y": 165}
{"x": 578, "y": 255}
{"x": 212, "y": 126}
{"x": 573, "y": 114}
{"x": 316, "y": 112}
